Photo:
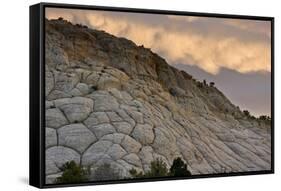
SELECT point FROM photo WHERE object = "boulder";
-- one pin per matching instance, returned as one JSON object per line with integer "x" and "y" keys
{"x": 57, "y": 94}
{"x": 76, "y": 136}
{"x": 102, "y": 129}
{"x": 55, "y": 118}
{"x": 76, "y": 109}
{"x": 49, "y": 104}
{"x": 133, "y": 159}
{"x": 83, "y": 88}
{"x": 65, "y": 81}
{"x": 95, "y": 152}
{"x": 130, "y": 144}
{"x": 143, "y": 134}
{"x": 116, "y": 138}
{"x": 96, "y": 118}
{"x": 51, "y": 137}
{"x": 50, "y": 179}
{"x": 57, "y": 156}
{"x": 116, "y": 152}
{"x": 75, "y": 92}
{"x": 113, "y": 116}
{"x": 107, "y": 81}
{"x": 162, "y": 137}
{"x": 123, "y": 127}
{"x": 49, "y": 82}
{"x": 146, "y": 156}
{"x": 104, "y": 101}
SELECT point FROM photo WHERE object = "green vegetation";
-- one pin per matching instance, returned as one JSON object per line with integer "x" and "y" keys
{"x": 81, "y": 26}
{"x": 105, "y": 172}
{"x": 247, "y": 113}
{"x": 179, "y": 168}
{"x": 73, "y": 173}
{"x": 199, "y": 84}
{"x": 158, "y": 168}
{"x": 264, "y": 118}
{"x": 204, "y": 82}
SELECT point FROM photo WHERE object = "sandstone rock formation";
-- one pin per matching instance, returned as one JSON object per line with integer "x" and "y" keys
{"x": 111, "y": 101}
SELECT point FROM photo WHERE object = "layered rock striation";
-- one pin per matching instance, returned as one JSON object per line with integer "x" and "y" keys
{"x": 111, "y": 101}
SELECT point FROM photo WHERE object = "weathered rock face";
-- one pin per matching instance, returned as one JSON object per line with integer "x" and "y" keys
{"x": 108, "y": 100}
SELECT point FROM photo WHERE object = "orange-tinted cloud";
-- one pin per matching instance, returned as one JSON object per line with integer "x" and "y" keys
{"x": 209, "y": 43}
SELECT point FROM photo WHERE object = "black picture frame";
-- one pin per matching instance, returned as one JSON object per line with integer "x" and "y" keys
{"x": 37, "y": 92}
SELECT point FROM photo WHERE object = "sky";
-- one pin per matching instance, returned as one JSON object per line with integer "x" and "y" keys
{"x": 234, "y": 53}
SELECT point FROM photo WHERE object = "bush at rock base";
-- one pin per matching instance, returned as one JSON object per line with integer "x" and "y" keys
{"x": 179, "y": 168}
{"x": 158, "y": 168}
{"x": 105, "y": 172}
{"x": 73, "y": 173}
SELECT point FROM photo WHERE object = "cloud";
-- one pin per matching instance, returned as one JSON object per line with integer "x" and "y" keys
{"x": 183, "y": 18}
{"x": 209, "y": 43}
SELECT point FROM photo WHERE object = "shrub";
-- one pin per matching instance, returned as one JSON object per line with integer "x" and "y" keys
{"x": 94, "y": 88}
{"x": 158, "y": 168}
{"x": 264, "y": 118}
{"x": 204, "y": 82}
{"x": 136, "y": 174}
{"x": 212, "y": 84}
{"x": 73, "y": 173}
{"x": 105, "y": 172}
{"x": 252, "y": 117}
{"x": 179, "y": 168}
{"x": 200, "y": 84}
{"x": 246, "y": 112}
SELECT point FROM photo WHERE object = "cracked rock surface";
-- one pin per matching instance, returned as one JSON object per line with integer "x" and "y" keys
{"x": 109, "y": 100}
